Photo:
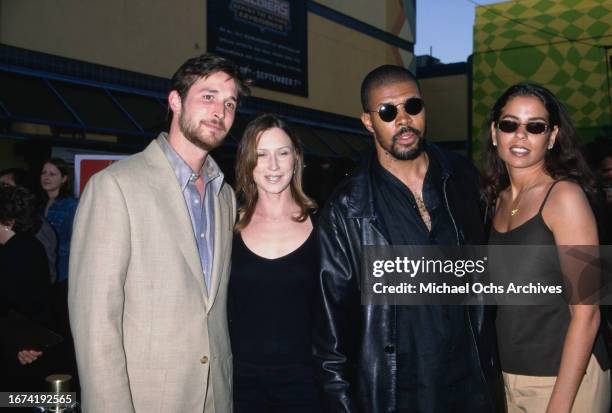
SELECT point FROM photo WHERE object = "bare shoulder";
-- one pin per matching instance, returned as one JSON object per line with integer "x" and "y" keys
{"x": 568, "y": 214}
{"x": 566, "y": 197}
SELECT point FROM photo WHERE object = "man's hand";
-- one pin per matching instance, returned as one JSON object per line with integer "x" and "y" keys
{"x": 28, "y": 356}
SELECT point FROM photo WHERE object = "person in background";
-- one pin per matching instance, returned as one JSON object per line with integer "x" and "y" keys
{"x": 59, "y": 210}
{"x": 553, "y": 357}
{"x": 273, "y": 276}
{"x": 604, "y": 169}
{"x": 599, "y": 156}
{"x": 25, "y": 287}
{"x": 45, "y": 233}
{"x": 16, "y": 176}
{"x": 60, "y": 207}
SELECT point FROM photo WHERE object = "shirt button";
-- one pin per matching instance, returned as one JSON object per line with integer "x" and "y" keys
{"x": 204, "y": 360}
{"x": 197, "y": 201}
{"x": 202, "y": 235}
{"x": 389, "y": 349}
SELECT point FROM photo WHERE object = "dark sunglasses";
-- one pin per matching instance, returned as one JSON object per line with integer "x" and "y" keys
{"x": 534, "y": 128}
{"x": 388, "y": 111}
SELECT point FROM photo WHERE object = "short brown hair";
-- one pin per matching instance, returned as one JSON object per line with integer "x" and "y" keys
{"x": 204, "y": 66}
{"x": 246, "y": 160}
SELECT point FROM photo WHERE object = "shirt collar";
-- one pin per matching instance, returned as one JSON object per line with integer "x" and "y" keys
{"x": 433, "y": 176}
{"x": 210, "y": 170}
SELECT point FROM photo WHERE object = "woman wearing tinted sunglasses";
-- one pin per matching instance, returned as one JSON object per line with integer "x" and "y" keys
{"x": 538, "y": 184}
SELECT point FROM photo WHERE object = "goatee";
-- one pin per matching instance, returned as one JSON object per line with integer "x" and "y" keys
{"x": 192, "y": 135}
{"x": 409, "y": 154}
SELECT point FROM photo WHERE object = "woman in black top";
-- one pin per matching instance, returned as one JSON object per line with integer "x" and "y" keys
{"x": 273, "y": 275}
{"x": 539, "y": 184}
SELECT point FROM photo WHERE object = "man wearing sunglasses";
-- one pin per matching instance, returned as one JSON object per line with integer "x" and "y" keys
{"x": 385, "y": 358}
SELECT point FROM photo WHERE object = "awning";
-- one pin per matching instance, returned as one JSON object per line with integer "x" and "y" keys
{"x": 80, "y": 107}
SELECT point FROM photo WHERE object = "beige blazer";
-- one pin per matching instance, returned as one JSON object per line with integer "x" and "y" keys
{"x": 147, "y": 337}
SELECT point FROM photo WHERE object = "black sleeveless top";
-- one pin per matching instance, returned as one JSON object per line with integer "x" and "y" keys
{"x": 270, "y": 304}
{"x": 531, "y": 338}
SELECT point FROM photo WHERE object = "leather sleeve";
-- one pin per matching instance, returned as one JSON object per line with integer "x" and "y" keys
{"x": 337, "y": 314}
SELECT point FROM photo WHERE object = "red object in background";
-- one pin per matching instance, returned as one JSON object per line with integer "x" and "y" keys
{"x": 90, "y": 167}
{"x": 85, "y": 166}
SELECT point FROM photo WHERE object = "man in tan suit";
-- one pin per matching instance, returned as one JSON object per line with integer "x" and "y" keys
{"x": 150, "y": 261}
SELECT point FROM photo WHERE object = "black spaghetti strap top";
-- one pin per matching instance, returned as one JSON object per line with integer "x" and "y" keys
{"x": 270, "y": 304}
{"x": 531, "y": 338}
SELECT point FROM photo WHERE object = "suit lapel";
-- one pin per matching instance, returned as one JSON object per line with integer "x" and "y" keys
{"x": 219, "y": 243}
{"x": 175, "y": 213}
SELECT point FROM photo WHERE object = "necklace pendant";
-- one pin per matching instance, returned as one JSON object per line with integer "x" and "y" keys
{"x": 514, "y": 212}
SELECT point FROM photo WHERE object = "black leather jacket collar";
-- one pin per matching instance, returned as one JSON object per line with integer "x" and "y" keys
{"x": 360, "y": 194}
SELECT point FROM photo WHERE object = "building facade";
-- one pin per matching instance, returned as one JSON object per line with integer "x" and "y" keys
{"x": 94, "y": 75}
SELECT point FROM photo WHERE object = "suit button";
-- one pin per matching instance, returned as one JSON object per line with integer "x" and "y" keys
{"x": 204, "y": 360}
{"x": 389, "y": 349}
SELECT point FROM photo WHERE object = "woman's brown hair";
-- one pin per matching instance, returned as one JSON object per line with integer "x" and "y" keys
{"x": 65, "y": 171}
{"x": 246, "y": 160}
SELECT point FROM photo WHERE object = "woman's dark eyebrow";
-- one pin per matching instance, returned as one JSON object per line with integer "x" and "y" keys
{"x": 530, "y": 119}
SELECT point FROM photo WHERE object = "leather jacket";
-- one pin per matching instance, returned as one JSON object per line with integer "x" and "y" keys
{"x": 354, "y": 344}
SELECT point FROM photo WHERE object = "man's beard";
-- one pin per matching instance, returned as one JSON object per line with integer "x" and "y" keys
{"x": 406, "y": 155}
{"x": 192, "y": 134}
